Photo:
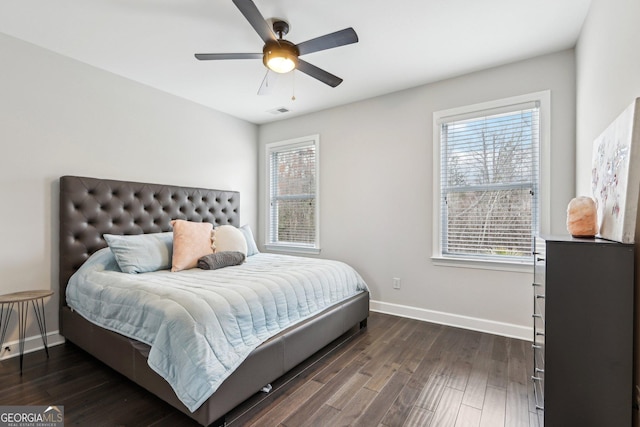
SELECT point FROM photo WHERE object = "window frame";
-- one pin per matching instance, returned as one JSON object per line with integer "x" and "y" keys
{"x": 543, "y": 98}
{"x": 287, "y": 145}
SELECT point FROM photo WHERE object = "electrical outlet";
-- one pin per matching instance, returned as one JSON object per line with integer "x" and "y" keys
{"x": 396, "y": 283}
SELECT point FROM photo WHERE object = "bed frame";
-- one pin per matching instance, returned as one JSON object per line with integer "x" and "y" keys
{"x": 90, "y": 207}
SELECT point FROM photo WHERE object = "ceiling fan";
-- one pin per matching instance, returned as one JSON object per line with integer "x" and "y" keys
{"x": 280, "y": 55}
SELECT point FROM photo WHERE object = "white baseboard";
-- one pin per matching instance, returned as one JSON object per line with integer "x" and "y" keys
{"x": 456, "y": 320}
{"x": 31, "y": 344}
{"x": 34, "y": 343}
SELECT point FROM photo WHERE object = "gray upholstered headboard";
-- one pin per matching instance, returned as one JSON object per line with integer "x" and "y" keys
{"x": 90, "y": 207}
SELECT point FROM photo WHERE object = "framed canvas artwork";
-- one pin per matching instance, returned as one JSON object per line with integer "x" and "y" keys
{"x": 616, "y": 176}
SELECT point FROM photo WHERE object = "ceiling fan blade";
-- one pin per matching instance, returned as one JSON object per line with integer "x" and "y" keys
{"x": 255, "y": 18}
{"x": 328, "y": 41}
{"x": 268, "y": 83}
{"x": 318, "y": 73}
{"x": 216, "y": 56}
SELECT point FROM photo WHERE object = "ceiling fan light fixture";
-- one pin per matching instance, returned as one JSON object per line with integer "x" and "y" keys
{"x": 280, "y": 64}
{"x": 280, "y": 57}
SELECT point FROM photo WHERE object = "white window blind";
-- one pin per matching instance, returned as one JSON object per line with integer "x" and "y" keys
{"x": 293, "y": 193}
{"x": 489, "y": 180}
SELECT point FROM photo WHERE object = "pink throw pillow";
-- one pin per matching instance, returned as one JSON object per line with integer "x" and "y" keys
{"x": 191, "y": 240}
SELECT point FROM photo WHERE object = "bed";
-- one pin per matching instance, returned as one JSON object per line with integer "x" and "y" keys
{"x": 92, "y": 207}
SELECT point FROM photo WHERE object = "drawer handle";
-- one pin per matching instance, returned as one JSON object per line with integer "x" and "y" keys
{"x": 540, "y": 334}
{"x": 540, "y": 296}
{"x": 536, "y": 378}
{"x": 536, "y": 346}
{"x": 541, "y": 371}
{"x": 540, "y": 408}
{"x": 536, "y": 284}
{"x": 539, "y": 316}
{"x": 539, "y": 259}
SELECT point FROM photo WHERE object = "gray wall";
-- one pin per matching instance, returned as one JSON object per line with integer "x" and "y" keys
{"x": 58, "y": 116}
{"x": 608, "y": 75}
{"x": 61, "y": 117}
{"x": 376, "y": 192}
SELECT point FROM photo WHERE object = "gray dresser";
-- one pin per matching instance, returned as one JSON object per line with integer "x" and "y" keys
{"x": 539, "y": 326}
{"x": 583, "y": 332}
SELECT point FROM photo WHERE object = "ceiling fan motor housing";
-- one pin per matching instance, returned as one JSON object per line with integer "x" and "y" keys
{"x": 281, "y": 28}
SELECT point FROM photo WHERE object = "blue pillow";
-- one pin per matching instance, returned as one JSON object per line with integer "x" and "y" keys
{"x": 252, "y": 248}
{"x": 142, "y": 253}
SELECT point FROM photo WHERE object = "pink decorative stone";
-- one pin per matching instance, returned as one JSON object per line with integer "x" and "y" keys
{"x": 582, "y": 218}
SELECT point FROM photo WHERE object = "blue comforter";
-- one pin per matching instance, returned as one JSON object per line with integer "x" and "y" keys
{"x": 201, "y": 324}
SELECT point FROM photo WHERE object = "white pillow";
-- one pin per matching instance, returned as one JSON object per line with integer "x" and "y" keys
{"x": 141, "y": 253}
{"x": 252, "y": 248}
{"x": 229, "y": 238}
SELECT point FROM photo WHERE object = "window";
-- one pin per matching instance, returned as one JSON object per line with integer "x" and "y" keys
{"x": 488, "y": 178}
{"x": 293, "y": 195}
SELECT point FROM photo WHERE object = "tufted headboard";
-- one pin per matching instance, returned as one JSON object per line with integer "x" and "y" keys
{"x": 90, "y": 207}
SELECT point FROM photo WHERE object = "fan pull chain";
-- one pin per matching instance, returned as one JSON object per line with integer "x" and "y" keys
{"x": 293, "y": 85}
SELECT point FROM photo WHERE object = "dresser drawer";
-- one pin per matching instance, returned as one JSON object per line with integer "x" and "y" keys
{"x": 538, "y": 387}
{"x": 539, "y": 255}
{"x": 538, "y": 373}
{"x": 538, "y": 309}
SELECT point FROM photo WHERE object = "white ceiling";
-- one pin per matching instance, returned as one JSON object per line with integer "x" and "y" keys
{"x": 403, "y": 44}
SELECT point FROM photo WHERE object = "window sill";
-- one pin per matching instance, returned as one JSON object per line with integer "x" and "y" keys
{"x": 515, "y": 266}
{"x": 293, "y": 249}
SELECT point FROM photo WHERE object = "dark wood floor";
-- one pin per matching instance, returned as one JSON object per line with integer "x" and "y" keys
{"x": 396, "y": 372}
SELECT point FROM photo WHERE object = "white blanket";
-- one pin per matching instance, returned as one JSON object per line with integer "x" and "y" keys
{"x": 201, "y": 324}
